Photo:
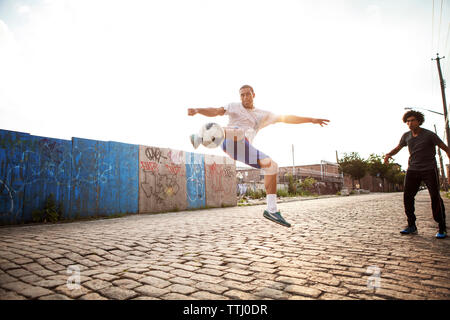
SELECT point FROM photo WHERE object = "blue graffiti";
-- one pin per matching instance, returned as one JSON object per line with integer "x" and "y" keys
{"x": 195, "y": 180}
{"x": 33, "y": 167}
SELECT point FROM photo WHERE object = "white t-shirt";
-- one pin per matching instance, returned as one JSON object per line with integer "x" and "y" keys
{"x": 250, "y": 120}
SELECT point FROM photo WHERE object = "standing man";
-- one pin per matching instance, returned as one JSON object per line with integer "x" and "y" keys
{"x": 422, "y": 166}
{"x": 244, "y": 123}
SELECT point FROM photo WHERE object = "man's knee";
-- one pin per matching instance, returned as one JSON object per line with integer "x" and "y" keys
{"x": 269, "y": 166}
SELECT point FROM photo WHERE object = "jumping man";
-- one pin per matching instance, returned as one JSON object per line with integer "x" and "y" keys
{"x": 244, "y": 123}
{"x": 422, "y": 166}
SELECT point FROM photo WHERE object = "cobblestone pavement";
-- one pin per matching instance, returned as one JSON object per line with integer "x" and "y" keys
{"x": 338, "y": 248}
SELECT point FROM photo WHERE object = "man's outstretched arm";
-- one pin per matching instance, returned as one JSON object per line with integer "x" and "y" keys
{"x": 230, "y": 133}
{"x": 297, "y": 120}
{"x": 444, "y": 147}
{"x": 208, "y": 112}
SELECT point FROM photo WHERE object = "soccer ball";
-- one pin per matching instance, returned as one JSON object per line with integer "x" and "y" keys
{"x": 211, "y": 135}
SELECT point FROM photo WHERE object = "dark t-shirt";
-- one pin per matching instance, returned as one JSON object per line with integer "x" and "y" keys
{"x": 422, "y": 149}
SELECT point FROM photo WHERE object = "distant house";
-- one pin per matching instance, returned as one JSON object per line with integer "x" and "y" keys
{"x": 329, "y": 180}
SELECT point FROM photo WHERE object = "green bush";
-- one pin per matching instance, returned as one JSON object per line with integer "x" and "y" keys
{"x": 306, "y": 187}
{"x": 292, "y": 184}
{"x": 282, "y": 193}
{"x": 257, "y": 194}
{"x": 50, "y": 212}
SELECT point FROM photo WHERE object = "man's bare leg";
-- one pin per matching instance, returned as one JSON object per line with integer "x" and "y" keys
{"x": 270, "y": 183}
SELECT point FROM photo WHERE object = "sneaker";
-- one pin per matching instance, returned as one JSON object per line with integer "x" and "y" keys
{"x": 276, "y": 217}
{"x": 441, "y": 234}
{"x": 409, "y": 230}
{"x": 196, "y": 140}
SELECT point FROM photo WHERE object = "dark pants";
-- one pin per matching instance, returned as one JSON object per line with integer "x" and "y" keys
{"x": 412, "y": 184}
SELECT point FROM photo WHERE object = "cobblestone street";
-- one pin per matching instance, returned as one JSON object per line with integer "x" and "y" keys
{"x": 337, "y": 248}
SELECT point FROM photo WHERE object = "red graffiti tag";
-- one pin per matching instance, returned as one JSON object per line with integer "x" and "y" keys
{"x": 215, "y": 173}
{"x": 149, "y": 166}
{"x": 212, "y": 168}
{"x": 174, "y": 169}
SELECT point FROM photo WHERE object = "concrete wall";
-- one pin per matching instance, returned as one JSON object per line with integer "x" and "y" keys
{"x": 96, "y": 178}
{"x": 177, "y": 180}
{"x": 162, "y": 180}
{"x": 195, "y": 180}
{"x": 221, "y": 188}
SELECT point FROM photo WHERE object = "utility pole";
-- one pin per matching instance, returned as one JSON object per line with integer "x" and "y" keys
{"x": 442, "y": 81}
{"x": 443, "y": 179}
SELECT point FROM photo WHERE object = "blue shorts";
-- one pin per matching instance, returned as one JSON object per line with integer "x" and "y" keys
{"x": 244, "y": 152}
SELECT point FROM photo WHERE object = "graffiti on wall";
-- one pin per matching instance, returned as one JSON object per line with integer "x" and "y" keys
{"x": 158, "y": 187}
{"x": 220, "y": 181}
{"x": 161, "y": 176}
{"x": 218, "y": 174}
{"x": 90, "y": 177}
{"x": 195, "y": 180}
{"x": 32, "y": 168}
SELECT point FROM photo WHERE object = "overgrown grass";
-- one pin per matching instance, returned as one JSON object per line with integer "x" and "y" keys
{"x": 261, "y": 194}
{"x": 49, "y": 213}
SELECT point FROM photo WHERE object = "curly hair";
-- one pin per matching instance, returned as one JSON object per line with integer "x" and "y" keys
{"x": 416, "y": 114}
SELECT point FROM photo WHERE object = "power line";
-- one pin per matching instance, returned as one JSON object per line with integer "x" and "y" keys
{"x": 437, "y": 41}
{"x": 446, "y": 38}
{"x": 433, "y": 83}
{"x": 446, "y": 13}
{"x": 440, "y": 23}
{"x": 447, "y": 50}
{"x": 432, "y": 28}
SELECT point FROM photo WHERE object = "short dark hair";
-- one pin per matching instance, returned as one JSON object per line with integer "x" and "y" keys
{"x": 416, "y": 114}
{"x": 246, "y": 86}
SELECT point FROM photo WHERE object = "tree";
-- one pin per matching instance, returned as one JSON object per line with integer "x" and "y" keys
{"x": 354, "y": 166}
{"x": 399, "y": 178}
{"x": 376, "y": 167}
{"x": 394, "y": 174}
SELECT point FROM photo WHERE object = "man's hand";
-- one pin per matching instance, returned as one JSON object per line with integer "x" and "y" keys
{"x": 392, "y": 153}
{"x": 192, "y": 112}
{"x": 322, "y": 122}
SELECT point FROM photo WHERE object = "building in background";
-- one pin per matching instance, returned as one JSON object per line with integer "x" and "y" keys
{"x": 326, "y": 174}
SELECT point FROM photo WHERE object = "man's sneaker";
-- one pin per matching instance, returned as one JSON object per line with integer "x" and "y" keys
{"x": 441, "y": 234}
{"x": 196, "y": 140}
{"x": 276, "y": 217}
{"x": 409, "y": 230}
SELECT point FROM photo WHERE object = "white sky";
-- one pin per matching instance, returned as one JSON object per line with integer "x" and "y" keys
{"x": 127, "y": 71}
